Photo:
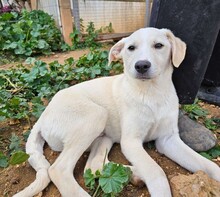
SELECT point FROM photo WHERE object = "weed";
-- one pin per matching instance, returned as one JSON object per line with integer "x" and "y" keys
{"x": 212, "y": 153}
{"x": 109, "y": 181}
{"x": 194, "y": 111}
{"x": 15, "y": 154}
{"x": 88, "y": 40}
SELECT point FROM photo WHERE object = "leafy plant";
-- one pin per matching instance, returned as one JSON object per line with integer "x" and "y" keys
{"x": 107, "y": 29}
{"x": 110, "y": 181}
{"x": 194, "y": 111}
{"x": 15, "y": 158}
{"x": 210, "y": 124}
{"x": 23, "y": 90}
{"x": 88, "y": 40}
{"x": 29, "y": 33}
{"x": 15, "y": 154}
{"x": 212, "y": 153}
{"x": 85, "y": 70}
{"x": 92, "y": 34}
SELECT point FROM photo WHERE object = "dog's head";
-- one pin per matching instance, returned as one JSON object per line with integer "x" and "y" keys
{"x": 148, "y": 52}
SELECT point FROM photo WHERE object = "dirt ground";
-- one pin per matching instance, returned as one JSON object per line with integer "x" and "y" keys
{"x": 15, "y": 178}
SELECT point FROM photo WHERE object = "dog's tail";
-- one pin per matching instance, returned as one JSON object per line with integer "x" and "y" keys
{"x": 34, "y": 147}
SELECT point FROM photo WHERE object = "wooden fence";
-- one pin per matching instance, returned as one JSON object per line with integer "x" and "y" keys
{"x": 124, "y": 15}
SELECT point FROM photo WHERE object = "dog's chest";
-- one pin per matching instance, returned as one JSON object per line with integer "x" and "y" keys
{"x": 163, "y": 115}
{"x": 152, "y": 115}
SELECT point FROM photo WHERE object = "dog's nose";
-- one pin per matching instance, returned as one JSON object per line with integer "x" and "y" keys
{"x": 142, "y": 66}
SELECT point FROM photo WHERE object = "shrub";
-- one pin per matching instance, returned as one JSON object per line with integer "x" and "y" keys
{"x": 29, "y": 33}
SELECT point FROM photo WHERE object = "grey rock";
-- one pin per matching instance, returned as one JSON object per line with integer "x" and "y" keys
{"x": 195, "y": 135}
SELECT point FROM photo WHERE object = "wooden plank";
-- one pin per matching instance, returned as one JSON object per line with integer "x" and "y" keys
{"x": 113, "y": 36}
{"x": 34, "y": 4}
{"x": 66, "y": 20}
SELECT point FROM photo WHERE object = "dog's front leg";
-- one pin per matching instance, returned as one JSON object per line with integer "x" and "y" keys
{"x": 174, "y": 148}
{"x": 144, "y": 166}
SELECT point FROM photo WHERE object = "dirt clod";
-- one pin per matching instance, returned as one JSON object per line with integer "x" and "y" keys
{"x": 196, "y": 185}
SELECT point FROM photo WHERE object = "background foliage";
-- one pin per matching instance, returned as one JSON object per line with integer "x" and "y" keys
{"x": 28, "y": 33}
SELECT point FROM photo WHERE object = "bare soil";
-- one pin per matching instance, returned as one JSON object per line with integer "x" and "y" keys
{"x": 15, "y": 178}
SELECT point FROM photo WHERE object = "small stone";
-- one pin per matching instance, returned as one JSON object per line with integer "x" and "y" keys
{"x": 14, "y": 121}
{"x": 39, "y": 195}
{"x": 15, "y": 180}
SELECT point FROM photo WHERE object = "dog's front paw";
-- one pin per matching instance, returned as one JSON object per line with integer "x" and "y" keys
{"x": 136, "y": 181}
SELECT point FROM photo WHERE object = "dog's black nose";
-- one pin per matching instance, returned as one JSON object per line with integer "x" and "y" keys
{"x": 142, "y": 66}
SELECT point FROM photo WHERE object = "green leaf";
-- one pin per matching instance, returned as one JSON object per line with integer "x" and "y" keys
{"x": 89, "y": 179}
{"x": 15, "y": 143}
{"x": 214, "y": 152}
{"x": 6, "y": 16}
{"x": 114, "y": 177}
{"x": 18, "y": 158}
{"x": 206, "y": 155}
{"x": 20, "y": 50}
{"x": 210, "y": 124}
{"x": 30, "y": 60}
{"x": 3, "y": 160}
{"x": 13, "y": 45}
{"x": 42, "y": 44}
{"x": 90, "y": 56}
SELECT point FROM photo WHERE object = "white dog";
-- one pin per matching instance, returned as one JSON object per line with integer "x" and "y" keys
{"x": 132, "y": 108}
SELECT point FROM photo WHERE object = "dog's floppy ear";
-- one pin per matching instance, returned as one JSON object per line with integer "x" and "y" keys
{"x": 178, "y": 48}
{"x": 115, "y": 52}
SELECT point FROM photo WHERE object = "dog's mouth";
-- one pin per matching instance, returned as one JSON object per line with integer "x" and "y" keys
{"x": 143, "y": 76}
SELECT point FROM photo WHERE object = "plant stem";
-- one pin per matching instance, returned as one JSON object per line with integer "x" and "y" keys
{"x": 9, "y": 81}
{"x": 61, "y": 81}
{"x": 96, "y": 191}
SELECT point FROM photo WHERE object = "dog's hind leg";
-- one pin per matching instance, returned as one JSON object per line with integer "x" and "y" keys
{"x": 99, "y": 153}
{"x": 86, "y": 130}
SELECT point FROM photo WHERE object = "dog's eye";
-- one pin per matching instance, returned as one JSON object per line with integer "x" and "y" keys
{"x": 131, "y": 48}
{"x": 158, "y": 46}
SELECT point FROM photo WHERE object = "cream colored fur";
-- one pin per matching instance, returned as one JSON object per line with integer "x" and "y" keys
{"x": 130, "y": 109}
